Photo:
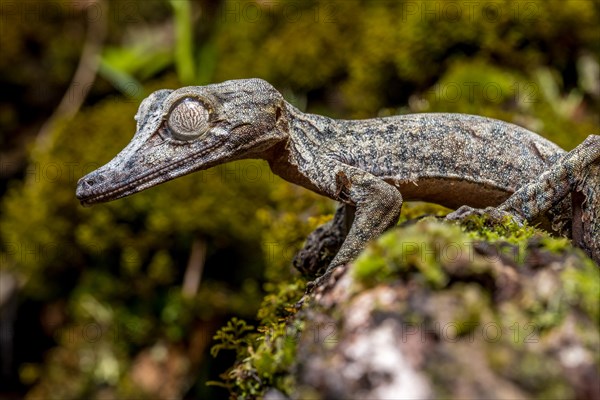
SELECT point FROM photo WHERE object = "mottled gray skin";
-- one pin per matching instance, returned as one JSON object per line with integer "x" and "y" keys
{"x": 370, "y": 166}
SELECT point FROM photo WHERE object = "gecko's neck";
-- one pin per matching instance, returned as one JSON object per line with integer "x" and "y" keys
{"x": 308, "y": 132}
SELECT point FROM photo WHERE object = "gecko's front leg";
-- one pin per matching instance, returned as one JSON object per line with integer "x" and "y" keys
{"x": 586, "y": 213}
{"x": 376, "y": 203}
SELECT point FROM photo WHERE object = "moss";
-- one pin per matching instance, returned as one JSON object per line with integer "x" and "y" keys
{"x": 422, "y": 250}
{"x": 264, "y": 356}
{"x": 417, "y": 209}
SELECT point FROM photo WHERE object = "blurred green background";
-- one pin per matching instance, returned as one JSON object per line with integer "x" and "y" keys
{"x": 121, "y": 300}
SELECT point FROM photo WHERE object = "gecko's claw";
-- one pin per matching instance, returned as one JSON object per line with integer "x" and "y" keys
{"x": 327, "y": 280}
{"x": 312, "y": 286}
{"x": 321, "y": 281}
{"x": 464, "y": 213}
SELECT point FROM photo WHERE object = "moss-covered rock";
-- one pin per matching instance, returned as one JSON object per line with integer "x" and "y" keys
{"x": 457, "y": 316}
{"x": 434, "y": 310}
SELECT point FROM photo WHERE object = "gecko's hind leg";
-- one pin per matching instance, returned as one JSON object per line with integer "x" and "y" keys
{"x": 553, "y": 185}
{"x": 577, "y": 173}
{"x": 586, "y": 213}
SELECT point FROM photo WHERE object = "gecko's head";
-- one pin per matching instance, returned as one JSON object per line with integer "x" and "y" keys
{"x": 190, "y": 129}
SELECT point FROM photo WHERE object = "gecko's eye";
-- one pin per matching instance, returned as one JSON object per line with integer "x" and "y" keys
{"x": 188, "y": 119}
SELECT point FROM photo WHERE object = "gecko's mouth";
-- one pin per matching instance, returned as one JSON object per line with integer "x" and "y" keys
{"x": 87, "y": 187}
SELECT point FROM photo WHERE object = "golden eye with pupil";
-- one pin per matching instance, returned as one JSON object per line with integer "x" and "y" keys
{"x": 188, "y": 119}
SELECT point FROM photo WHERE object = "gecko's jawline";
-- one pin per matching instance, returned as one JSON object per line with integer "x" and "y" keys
{"x": 150, "y": 179}
{"x": 106, "y": 197}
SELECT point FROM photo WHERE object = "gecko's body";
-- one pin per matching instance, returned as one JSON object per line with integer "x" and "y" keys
{"x": 368, "y": 165}
{"x": 449, "y": 159}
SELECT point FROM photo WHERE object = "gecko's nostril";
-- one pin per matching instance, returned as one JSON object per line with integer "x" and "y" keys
{"x": 95, "y": 179}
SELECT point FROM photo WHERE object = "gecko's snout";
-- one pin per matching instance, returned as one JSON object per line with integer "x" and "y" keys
{"x": 87, "y": 188}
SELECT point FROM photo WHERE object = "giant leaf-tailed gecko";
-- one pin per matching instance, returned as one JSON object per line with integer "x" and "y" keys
{"x": 370, "y": 166}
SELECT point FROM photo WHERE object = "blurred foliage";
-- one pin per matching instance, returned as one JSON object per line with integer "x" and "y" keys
{"x": 118, "y": 267}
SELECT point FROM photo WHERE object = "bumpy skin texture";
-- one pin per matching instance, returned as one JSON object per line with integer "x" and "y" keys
{"x": 369, "y": 165}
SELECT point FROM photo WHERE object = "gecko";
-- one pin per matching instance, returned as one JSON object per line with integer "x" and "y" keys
{"x": 466, "y": 162}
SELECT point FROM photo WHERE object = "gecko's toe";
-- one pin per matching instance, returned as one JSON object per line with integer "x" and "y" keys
{"x": 463, "y": 212}
{"x": 325, "y": 281}
{"x": 492, "y": 215}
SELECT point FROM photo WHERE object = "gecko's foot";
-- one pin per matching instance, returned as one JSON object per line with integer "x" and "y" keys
{"x": 326, "y": 281}
{"x": 319, "y": 282}
{"x": 492, "y": 215}
{"x": 313, "y": 286}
